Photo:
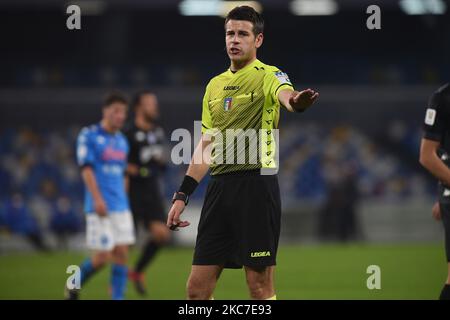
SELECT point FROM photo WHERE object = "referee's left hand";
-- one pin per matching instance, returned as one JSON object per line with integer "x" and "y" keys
{"x": 302, "y": 100}
{"x": 173, "y": 220}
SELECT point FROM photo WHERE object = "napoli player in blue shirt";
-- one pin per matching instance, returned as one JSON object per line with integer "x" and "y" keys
{"x": 102, "y": 156}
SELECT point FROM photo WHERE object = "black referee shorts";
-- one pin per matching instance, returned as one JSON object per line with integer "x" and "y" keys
{"x": 444, "y": 203}
{"x": 240, "y": 221}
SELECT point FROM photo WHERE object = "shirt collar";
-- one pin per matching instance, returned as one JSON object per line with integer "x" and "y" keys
{"x": 247, "y": 67}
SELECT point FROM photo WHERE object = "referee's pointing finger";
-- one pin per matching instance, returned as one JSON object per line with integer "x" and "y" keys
{"x": 176, "y": 217}
{"x": 170, "y": 218}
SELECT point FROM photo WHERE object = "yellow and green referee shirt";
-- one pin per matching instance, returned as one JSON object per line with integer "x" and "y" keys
{"x": 240, "y": 111}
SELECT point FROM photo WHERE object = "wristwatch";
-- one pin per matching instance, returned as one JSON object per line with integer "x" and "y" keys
{"x": 180, "y": 196}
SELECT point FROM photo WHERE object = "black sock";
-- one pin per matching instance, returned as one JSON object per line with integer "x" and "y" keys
{"x": 148, "y": 253}
{"x": 445, "y": 293}
{"x": 87, "y": 270}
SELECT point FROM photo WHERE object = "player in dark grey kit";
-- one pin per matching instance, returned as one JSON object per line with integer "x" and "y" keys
{"x": 146, "y": 161}
{"x": 435, "y": 157}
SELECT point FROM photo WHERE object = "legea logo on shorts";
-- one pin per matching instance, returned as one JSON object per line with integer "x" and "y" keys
{"x": 260, "y": 254}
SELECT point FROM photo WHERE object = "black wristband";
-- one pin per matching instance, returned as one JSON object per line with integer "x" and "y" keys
{"x": 188, "y": 185}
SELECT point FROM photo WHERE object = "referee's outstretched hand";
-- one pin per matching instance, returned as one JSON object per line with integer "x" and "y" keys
{"x": 302, "y": 100}
{"x": 173, "y": 220}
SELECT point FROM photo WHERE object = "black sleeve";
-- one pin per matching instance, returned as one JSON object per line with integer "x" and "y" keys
{"x": 433, "y": 126}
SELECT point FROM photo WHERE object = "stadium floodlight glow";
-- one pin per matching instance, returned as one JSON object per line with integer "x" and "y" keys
{"x": 213, "y": 7}
{"x": 199, "y": 8}
{"x": 420, "y": 7}
{"x": 314, "y": 7}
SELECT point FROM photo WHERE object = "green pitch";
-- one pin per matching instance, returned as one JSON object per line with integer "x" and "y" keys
{"x": 303, "y": 272}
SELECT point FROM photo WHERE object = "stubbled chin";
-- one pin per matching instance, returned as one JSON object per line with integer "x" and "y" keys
{"x": 236, "y": 57}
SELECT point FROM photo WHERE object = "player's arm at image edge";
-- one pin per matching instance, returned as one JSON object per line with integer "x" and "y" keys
{"x": 430, "y": 160}
{"x": 433, "y": 128}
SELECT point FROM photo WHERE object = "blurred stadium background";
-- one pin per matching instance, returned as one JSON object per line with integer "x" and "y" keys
{"x": 352, "y": 189}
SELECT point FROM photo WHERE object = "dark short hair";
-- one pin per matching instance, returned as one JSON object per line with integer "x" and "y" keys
{"x": 114, "y": 97}
{"x": 138, "y": 96}
{"x": 247, "y": 13}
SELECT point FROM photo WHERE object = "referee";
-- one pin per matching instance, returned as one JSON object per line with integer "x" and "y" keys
{"x": 146, "y": 161}
{"x": 435, "y": 157}
{"x": 240, "y": 219}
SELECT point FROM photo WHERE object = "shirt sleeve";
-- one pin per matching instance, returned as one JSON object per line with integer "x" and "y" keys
{"x": 85, "y": 152}
{"x": 433, "y": 126}
{"x": 206, "y": 112}
{"x": 277, "y": 80}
